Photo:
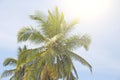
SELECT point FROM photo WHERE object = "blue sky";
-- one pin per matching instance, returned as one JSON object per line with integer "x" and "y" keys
{"x": 104, "y": 30}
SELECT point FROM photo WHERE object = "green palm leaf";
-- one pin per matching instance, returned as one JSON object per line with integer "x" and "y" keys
{"x": 21, "y": 50}
{"x": 80, "y": 59}
{"x": 31, "y": 34}
{"x": 39, "y": 16}
{"x": 76, "y": 42}
{"x": 10, "y": 61}
{"x": 70, "y": 26}
{"x": 53, "y": 24}
{"x": 12, "y": 78}
{"x": 28, "y": 56}
{"x": 7, "y": 73}
{"x": 75, "y": 71}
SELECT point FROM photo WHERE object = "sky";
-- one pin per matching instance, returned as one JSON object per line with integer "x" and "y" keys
{"x": 99, "y": 18}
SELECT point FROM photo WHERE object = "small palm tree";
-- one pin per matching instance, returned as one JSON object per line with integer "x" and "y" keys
{"x": 53, "y": 60}
{"x": 18, "y": 72}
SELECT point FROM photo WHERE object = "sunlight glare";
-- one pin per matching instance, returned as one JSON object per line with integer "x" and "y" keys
{"x": 85, "y": 8}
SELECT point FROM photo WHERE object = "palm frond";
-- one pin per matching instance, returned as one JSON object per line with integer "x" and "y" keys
{"x": 30, "y": 72}
{"x": 80, "y": 59}
{"x": 72, "y": 42}
{"x": 9, "y": 61}
{"x": 86, "y": 40}
{"x": 75, "y": 72}
{"x": 29, "y": 55}
{"x": 72, "y": 77}
{"x": 30, "y": 34}
{"x": 12, "y": 78}
{"x": 53, "y": 24}
{"x": 22, "y": 57}
{"x": 7, "y": 73}
{"x": 52, "y": 70}
{"x": 25, "y": 58}
{"x": 22, "y": 49}
{"x": 67, "y": 65}
{"x": 70, "y": 26}
{"x": 44, "y": 73}
{"x": 39, "y": 69}
{"x": 39, "y": 16}
{"x": 76, "y": 42}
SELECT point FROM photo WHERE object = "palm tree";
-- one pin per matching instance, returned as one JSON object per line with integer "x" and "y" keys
{"x": 18, "y": 72}
{"x": 53, "y": 60}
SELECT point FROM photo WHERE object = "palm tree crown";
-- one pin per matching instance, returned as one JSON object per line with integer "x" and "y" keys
{"x": 53, "y": 60}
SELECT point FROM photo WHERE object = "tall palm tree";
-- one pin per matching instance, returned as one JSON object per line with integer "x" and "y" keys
{"x": 18, "y": 72}
{"x": 53, "y": 60}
